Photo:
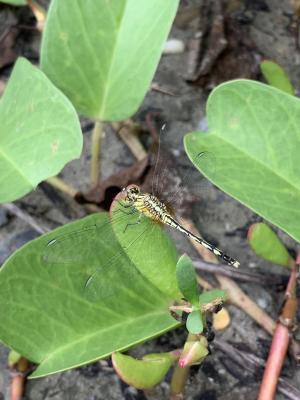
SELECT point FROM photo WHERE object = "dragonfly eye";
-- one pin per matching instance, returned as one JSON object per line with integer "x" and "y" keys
{"x": 132, "y": 192}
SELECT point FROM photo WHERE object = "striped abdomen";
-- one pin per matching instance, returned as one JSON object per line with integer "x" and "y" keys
{"x": 168, "y": 220}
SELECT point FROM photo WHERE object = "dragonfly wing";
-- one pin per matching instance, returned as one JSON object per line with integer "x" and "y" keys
{"x": 77, "y": 246}
{"x": 69, "y": 248}
{"x": 126, "y": 266}
{"x": 189, "y": 186}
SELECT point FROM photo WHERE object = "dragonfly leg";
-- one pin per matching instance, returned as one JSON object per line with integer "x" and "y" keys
{"x": 130, "y": 204}
{"x": 132, "y": 211}
{"x": 138, "y": 221}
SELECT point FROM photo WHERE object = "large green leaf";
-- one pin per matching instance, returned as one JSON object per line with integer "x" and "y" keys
{"x": 47, "y": 313}
{"x": 39, "y": 131}
{"x": 255, "y": 136}
{"x": 103, "y": 54}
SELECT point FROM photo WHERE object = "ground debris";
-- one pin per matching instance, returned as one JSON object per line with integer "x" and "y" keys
{"x": 220, "y": 49}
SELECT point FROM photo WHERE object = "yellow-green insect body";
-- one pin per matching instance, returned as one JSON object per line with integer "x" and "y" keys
{"x": 150, "y": 206}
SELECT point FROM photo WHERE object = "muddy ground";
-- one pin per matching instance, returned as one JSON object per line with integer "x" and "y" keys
{"x": 254, "y": 30}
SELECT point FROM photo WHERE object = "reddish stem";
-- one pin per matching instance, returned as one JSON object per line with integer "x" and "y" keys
{"x": 280, "y": 341}
{"x": 17, "y": 386}
{"x": 18, "y": 379}
{"x": 274, "y": 363}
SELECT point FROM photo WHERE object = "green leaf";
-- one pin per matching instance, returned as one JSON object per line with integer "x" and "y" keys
{"x": 145, "y": 373}
{"x": 39, "y": 131}
{"x": 194, "y": 323}
{"x": 267, "y": 244}
{"x": 186, "y": 279}
{"x": 49, "y": 313}
{"x": 255, "y": 136}
{"x": 211, "y": 296}
{"x": 103, "y": 54}
{"x": 15, "y": 2}
{"x": 276, "y": 76}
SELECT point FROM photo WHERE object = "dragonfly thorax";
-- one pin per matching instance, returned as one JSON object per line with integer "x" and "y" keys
{"x": 146, "y": 203}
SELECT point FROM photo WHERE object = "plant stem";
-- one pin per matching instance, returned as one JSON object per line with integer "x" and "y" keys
{"x": 59, "y": 184}
{"x": 18, "y": 380}
{"x": 179, "y": 378}
{"x": 280, "y": 341}
{"x": 97, "y": 135}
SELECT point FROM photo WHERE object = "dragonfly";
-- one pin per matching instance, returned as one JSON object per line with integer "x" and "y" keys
{"x": 135, "y": 207}
{"x": 150, "y": 206}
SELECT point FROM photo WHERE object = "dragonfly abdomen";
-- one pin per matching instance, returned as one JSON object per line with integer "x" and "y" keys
{"x": 174, "y": 224}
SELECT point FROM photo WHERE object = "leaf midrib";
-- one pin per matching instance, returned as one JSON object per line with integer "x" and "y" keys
{"x": 101, "y": 331}
{"x": 14, "y": 166}
{"x": 111, "y": 65}
{"x": 258, "y": 161}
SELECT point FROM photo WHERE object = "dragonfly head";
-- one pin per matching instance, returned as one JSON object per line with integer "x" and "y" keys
{"x": 132, "y": 192}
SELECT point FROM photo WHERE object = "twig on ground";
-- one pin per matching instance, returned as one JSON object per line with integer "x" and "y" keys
{"x": 158, "y": 88}
{"x": 253, "y": 365}
{"x": 236, "y": 274}
{"x": 128, "y": 133}
{"x": 280, "y": 339}
{"x": 15, "y": 210}
{"x": 241, "y": 300}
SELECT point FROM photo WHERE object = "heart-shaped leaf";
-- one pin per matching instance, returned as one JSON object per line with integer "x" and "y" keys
{"x": 39, "y": 131}
{"x": 50, "y": 315}
{"x": 255, "y": 136}
{"x": 267, "y": 244}
{"x": 103, "y": 54}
